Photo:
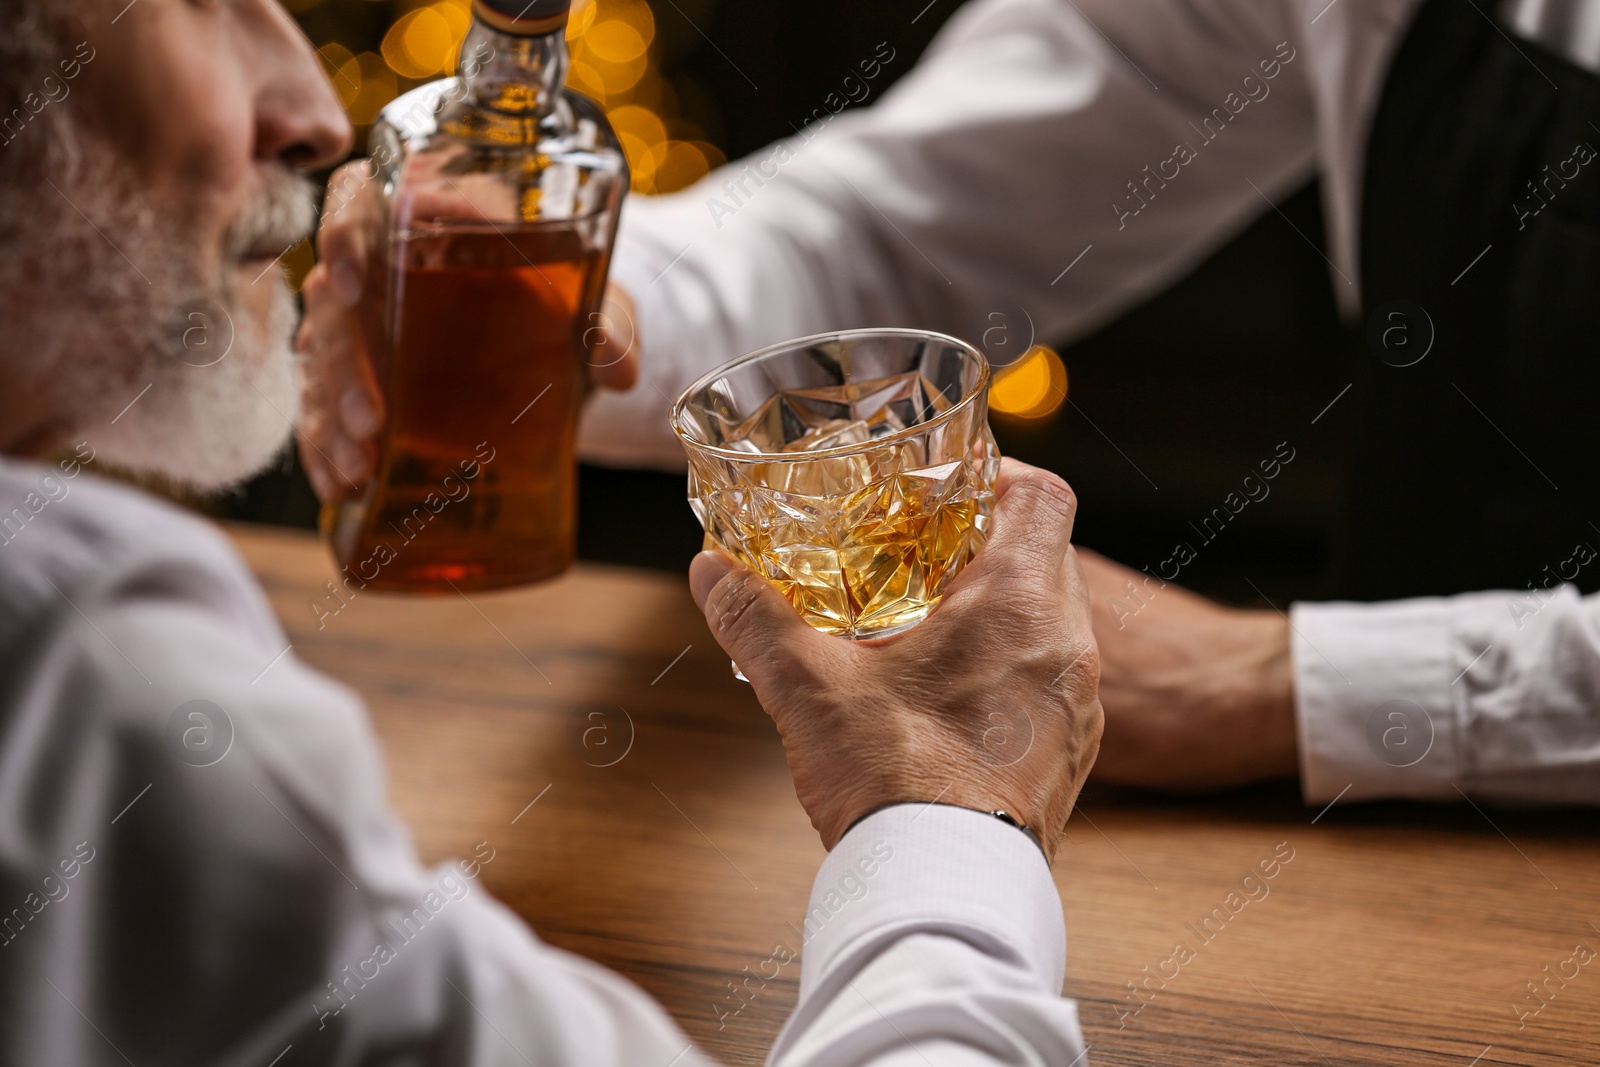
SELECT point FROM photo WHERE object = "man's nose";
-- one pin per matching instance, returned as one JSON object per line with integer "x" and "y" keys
{"x": 299, "y": 120}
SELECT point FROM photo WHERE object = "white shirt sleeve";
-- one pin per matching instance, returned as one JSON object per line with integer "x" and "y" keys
{"x": 239, "y": 887}
{"x": 202, "y": 866}
{"x": 1493, "y": 696}
{"x": 967, "y": 905}
{"x": 1049, "y": 162}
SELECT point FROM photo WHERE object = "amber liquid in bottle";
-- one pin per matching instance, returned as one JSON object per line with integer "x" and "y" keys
{"x": 478, "y": 486}
{"x": 501, "y": 191}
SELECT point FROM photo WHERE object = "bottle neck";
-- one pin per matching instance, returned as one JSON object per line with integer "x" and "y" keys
{"x": 511, "y": 73}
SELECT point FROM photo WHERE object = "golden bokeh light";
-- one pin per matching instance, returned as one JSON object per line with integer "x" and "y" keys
{"x": 615, "y": 41}
{"x": 1032, "y": 387}
{"x": 425, "y": 42}
{"x": 641, "y": 122}
{"x": 581, "y": 17}
{"x": 635, "y": 13}
{"x": 614, "y": 61}
{"x": 616, "y": 81}
{"x": 682, "y": 163}
{"x": 372, "y": 85}
{"x": 641, "y": 156}
{"x": 585, "y": 79}
{"x": 334, "y": 57}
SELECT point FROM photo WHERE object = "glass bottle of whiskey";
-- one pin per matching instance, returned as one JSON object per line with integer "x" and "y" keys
{"x": 501, "y": 190}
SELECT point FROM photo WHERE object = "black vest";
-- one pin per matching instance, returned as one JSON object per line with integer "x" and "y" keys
{"x": 1476, "y": 463}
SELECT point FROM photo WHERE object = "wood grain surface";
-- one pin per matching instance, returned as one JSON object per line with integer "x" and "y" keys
{"x": 642, "y": 814}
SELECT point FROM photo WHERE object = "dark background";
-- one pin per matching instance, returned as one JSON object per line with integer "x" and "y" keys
{"x": 1171, "y": 406}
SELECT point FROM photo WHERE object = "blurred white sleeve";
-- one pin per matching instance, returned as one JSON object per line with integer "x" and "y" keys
{"x": 934, "y": 934}
{"x": 1018, "y": 166}
{"x": 240, "y": 891}
{"x": 1495, "y": 696}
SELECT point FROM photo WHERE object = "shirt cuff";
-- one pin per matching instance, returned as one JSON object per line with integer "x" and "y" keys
{"x": 1374, "y": 700}
{"x": 930, "y": 868}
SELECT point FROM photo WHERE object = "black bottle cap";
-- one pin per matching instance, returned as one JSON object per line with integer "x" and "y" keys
{"x": 525, "y": 18}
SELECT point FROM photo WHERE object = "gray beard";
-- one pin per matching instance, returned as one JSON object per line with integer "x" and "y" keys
{"x": 119, "y": 331}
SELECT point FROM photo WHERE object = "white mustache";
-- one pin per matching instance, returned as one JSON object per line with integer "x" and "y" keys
{"x": 277, "y": 220}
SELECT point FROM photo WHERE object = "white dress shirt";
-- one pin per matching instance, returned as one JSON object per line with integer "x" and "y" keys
{"x": 1032, "y": 159}
{"x": 232, "y": 888}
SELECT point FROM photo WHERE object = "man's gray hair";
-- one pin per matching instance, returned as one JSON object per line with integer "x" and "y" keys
{"x": 35, "y": 37}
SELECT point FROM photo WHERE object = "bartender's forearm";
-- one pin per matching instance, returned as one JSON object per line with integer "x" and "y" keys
{"x": 1258, "y": 694}
{"x": 1487, "y": 695}
{"x": 1197, "y": 696}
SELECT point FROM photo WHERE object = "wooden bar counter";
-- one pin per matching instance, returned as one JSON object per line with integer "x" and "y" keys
{"x": 641, "y": 813}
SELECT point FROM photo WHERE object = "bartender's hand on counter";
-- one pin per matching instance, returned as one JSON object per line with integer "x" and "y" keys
{"x": 990, "y": 703}
{"x": 341, "y": 405}
{"x": 1197, "y": 695}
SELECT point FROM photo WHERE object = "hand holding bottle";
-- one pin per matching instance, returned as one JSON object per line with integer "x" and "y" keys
{"x": 342, "y": 405}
